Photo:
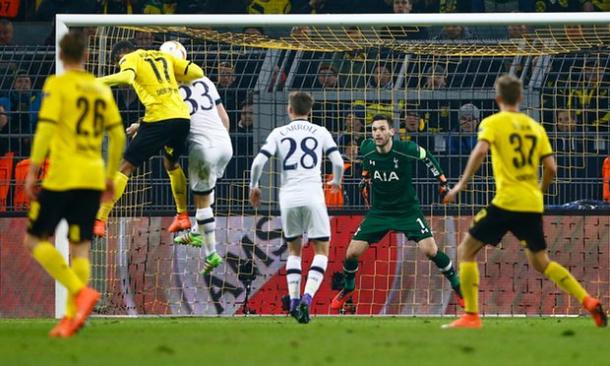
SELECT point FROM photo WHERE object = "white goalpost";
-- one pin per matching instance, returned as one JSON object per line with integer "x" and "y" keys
{"x": 430, "y": 77}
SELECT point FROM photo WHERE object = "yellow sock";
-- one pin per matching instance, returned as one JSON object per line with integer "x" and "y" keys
{"x": 82, "y": 269}
{"x": 565, "y": 281}
{"x": 120, "y": 182}
{"x": 178, "y": 183}
{"x": 469, "y": 283}
{"x": 51, "y": 260}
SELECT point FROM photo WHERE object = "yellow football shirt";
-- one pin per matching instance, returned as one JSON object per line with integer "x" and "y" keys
{"x": 518, "y": 144}
{"x": 155, "y": 83}
{"x": 82, "y": 109}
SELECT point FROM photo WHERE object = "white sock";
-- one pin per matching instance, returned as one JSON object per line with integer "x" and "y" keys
{"x": 315, "y": 276}
{"x": 207, "y": 225}
{"x": 293, "y": 276}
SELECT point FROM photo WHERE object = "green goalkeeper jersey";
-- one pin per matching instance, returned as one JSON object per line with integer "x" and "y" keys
{"x": 391, "y": 175}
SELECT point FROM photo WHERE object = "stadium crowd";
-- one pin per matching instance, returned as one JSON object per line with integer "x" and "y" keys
{"x": 573, "y": 100}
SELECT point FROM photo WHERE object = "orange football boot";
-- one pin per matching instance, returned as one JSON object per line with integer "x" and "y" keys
{"x": 467, "y": 320}
{"x": 181, "y": 222}
{"x": 597, "y": 311}
{"x": 85, "y": 302}
{"x": 61, "y": 328}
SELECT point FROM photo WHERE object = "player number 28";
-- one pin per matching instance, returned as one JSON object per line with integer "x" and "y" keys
{"x": 307, "y": 152}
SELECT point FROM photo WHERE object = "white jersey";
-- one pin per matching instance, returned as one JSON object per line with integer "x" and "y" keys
{"x": 300, "y": 146}
{"x": 202, "y": 98}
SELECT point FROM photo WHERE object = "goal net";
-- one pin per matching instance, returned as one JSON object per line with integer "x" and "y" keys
{"x": 433, "y": 75}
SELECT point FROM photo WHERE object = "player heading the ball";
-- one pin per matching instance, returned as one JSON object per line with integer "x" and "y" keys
{"x": 210, "y": 151}
{"x": 518, "y": 146}
{"x": 300, "y": 146}
{"x": 154, "y": 75}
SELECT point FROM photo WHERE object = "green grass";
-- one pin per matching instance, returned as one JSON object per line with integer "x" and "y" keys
{"x": 344, "y": 341}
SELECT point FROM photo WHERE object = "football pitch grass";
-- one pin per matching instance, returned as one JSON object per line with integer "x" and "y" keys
{"x": 348, "y": 341}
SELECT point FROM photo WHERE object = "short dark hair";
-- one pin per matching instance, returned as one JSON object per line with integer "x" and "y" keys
{"x": 382, "y": 117}
{"x": 301, "y": 102}
{"x": 73, "y": 46}
{"x": 121, "y": 48}
{"x": 509, "y": 88}
{"x": 225, "y": 64}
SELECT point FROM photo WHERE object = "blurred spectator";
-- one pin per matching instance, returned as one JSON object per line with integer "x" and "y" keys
{"x": 566, "y": 121}
{"x": 462, "y": 142}
{"x": 118, "y": 6}
{"x": 48, "y": 8}
{"x": 337, "y": 6}
{"x": 548, "y": 6}
{"x": 435, "y": 77}
{"x": 454, "y": 32}
{"x": 410, "y": 124}
{"x": 507, "y": 6}
{"x": 211, "y": 7}
{"x": 22, "y": 100}
{"x": 517, "y": 31}
{"x": 253, "y": 31}
{"x": 157, "y": 6}
{"x": 230, "y": 95}
{"x": 402, "y": 6}
{"x": 246, "y": 118}
{"x": 588, "y": 97}
{"x": 596, "y": 5}
{"x": 327, "y": 77}
{"x": 4, "y": 143}
{"x": 6, "y": 32}
{"x": 446, "y": 6}
{"x": 353, "y": 129}
{"x": 269, "y": 7}
{"x": 243, "y": 142}
{"x": 144, "y": 40}
{"x": 352, "y": 165}
{"x": 382, "y": 77}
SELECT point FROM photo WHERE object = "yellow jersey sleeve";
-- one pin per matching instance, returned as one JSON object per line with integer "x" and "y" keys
{"x": 129, "y": 62}
{"x": 545, "y": 145}
{"x": 486, "y": 131}
{"x": 185, "y": 70}
{"x": 51, "y": 101}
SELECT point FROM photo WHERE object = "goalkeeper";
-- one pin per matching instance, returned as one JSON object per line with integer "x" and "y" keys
{"x": 387, "y": 172}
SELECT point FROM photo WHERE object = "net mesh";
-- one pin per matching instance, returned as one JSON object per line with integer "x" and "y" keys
{"x": 436, "y": 84}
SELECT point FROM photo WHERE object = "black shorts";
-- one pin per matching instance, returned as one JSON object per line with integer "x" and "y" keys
{"x": 77, "y": 206}
{"x": 491, "y": 223}
{"x": 169, "y": 135}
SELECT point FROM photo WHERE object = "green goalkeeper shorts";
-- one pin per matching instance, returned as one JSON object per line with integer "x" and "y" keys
{"x": 376, "y": 225}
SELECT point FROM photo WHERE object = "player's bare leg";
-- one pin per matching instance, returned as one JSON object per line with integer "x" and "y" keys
{"x": 54, "y": 263}
{"x": 293, "y": 274}
{"x": 350, "y": 266}
{"x": 177, "y": 181}
{"x": 428, "y": 247}
{"x": 469, "y": 280}
{"x": 204, "y": 233}
{"x": 120, "y": 183}
{"x": 565, "y": 281}
{"x": 315, "y": 276}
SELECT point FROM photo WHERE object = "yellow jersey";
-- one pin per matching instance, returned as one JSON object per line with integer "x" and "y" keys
{"x": 155, "y": 83}
{"x": 82, "y": 109}
{"x": 518, "y": 144}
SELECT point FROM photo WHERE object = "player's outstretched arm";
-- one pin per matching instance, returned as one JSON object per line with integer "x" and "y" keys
{"x": 224, "y": 116}
{"x": 186, "y": 71}
{"x": 549, "y": 171}
{"x": 120, "y": 78}
{"x": 474, "y": 163}
{"x": 42, "y": 139}
{"x": 435, "y": 168}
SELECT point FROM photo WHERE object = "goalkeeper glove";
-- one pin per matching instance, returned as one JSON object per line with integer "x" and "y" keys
{"x": 365, "y": 186}
{"x": 443, "y": 188}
